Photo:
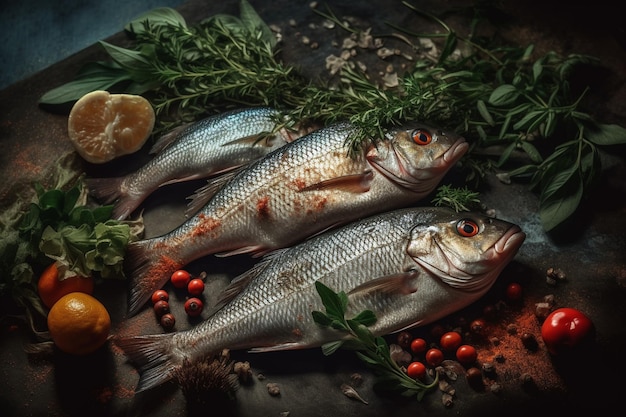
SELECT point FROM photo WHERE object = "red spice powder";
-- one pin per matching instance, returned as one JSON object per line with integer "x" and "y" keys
{"x": 207, "y": 225}
{"x": 262, "y": 207}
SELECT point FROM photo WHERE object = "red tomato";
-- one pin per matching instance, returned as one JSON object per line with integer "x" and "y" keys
{"x": 159, "y": 295}
{"x": 450, "y": 341}
{"x": 416, "y": 370}
{"x": 565, "y": 329}
{"x": 466, "y": 354}
{"x": 418, "y": 345}
{"x": 195, "y": 286}
{"x": 180, "y": 278}
{"x": 434, "y": 357}
{"x": 193, "y": 307}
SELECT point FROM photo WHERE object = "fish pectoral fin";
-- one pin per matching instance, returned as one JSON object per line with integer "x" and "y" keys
{"x": 358, "y": 183}
{"x": 260, "y": 138}
{"x": 402, "y": 283}
{"x": 239, "y": 283}
{"x": 166, "y": 139}
{"x": 256, "y": 251}
{"x": 275, "y": 348}
{"x": 203, "y": 194}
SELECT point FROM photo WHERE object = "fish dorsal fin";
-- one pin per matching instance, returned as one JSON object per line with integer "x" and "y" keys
{"x": 358, "y": 183}
{"x": 240, "y": 282}
{"x": 203, "y": 194}
{"x": 167, "y": 138}
{"x": 401, "y": 283}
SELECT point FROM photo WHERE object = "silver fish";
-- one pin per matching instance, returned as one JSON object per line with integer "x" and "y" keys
{"x": 303, "y": 188}
{"x": 209, "y": 147}
{"x": 409, "y": 266}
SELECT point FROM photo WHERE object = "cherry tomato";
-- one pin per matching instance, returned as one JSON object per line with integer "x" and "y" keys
{"x": 195, "y": 286}
{"x": 466, "y": 354}
{"x": 434, "y": 357}
{"x": 416, "y": 370}
{"x": 565, "y": 329}
{"x": 161, "y": 307}
{"x": 160, "y": 295}
{"x": 180, "y": 278}
{"x": 193, "y": 307}
{"x": 450, "y": 341}
{"x": 514, "y": 292}
{"x": 418, "y": 345}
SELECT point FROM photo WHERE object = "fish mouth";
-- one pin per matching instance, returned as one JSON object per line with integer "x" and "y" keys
{"x": 509, "y": 243}
{"x": 452, "y": 155}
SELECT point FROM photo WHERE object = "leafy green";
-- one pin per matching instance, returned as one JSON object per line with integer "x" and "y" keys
{"x": 59, "y": 227}
{"x": 518, "y": 109}
{"x": 372, "y": 350}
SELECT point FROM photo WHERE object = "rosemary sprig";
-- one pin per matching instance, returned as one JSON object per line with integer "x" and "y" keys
{"x": 372, "y": 350}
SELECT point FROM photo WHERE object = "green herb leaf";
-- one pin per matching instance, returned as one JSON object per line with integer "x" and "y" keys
{"x": 155, "y": 17}
{"x": 606, "y": 134}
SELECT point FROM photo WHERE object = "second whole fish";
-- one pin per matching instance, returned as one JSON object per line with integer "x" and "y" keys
{"x": 409, "y": 266}
{"x": 301, "y": 189}
{"x": 212, "y": 146}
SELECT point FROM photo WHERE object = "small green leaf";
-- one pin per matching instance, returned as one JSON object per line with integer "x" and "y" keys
{"x": 331, "y": 347}
{"x": 135, "y": 61}
{"x": 606, "y": 134}
{"x": 332, "y": 301}
{"x": 94, "y": 76}
{"x": 531, "y": 151}
{"x": 503, "y": 95}
{"x": 484, "y": 112}
{"x": 560, "y": 198}
{"x": 365, "y": 318}
{"x": 253, "y": 22}
{"x": 321, "y": 318}
{"x": 155, "y": 17}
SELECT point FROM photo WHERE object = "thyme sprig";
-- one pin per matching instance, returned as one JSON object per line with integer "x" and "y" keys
{"x": 373, "y": 351}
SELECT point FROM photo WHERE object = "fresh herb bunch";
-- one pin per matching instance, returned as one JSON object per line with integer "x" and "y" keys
{"x": 374, "y": 351}
{"x": 518, "y": 110}
{"x": 59, "y": 227}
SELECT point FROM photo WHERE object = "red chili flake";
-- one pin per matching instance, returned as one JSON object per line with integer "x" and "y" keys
{"x": 205, "y": 226}
{"x": 262, "y": 207}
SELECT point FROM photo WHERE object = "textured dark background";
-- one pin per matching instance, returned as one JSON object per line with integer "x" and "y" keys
{"x": 591, "y": 251}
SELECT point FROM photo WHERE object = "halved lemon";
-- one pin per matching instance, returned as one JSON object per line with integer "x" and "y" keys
{"x": 104, "y": 126}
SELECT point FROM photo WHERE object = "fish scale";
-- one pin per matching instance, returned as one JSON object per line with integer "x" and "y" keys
{"x": 382, "y": 263}
{"x": 299, "y": 190}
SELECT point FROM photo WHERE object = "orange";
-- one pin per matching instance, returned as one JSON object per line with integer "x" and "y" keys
{"x": 78, "y": 323}
{"x": 104, "y": 126}
{"x": 51, "y": 287}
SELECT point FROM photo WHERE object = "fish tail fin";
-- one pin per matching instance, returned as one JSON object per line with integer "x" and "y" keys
{"x": 149, "y": 269}
{"x": 109, "y": 190}
{"x": 153, "y": 357}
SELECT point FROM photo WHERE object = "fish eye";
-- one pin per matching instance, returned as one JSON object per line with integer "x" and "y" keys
{"x": 467, "y": 228}
{"x": 422, "y": 136}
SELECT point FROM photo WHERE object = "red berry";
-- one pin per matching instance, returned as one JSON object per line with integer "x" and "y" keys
{"x": 160, "y": 295}
{"x": 434, "y": 357}
{"x": 168, "y": 321}
{"x": 450, "y": 341}
{"x": 180, "y": 278}
{"x": 416, "y": 370}
{"x": 567, "y": 330}
{"x": 418, "y": 345}
{"x": 514, "y": 292}
{"x": 195, "y": 286}
{"x": 466, "y": 354}
{"x": 161, "y": 307}
{"x": 193, "y": 307}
